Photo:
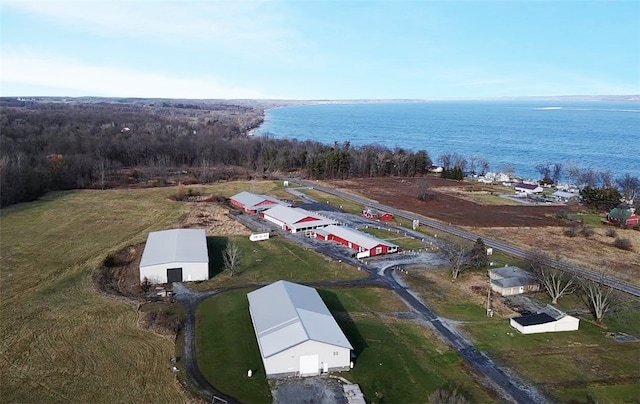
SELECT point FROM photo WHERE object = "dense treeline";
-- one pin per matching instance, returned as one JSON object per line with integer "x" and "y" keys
{"x": 55, "y": 145}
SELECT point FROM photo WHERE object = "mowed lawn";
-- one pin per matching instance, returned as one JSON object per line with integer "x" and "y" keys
{"x": 400, "y": 360}
{"x": 571, "y": 366}
{"x": 271, "y": 260}
{"x": 61, "y": 341}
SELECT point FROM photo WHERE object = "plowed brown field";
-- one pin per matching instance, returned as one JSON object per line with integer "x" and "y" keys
{"x": 526, "y": 226}
{"x": 448, "y": 207}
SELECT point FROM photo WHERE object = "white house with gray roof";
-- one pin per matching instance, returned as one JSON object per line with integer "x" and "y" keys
{"x": 512, "y": 280}
{"x": 175, "y": 256}
{"x": 296, "y": 333}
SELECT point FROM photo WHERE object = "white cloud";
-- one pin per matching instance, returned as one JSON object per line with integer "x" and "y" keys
{"x": 36, "y": 70}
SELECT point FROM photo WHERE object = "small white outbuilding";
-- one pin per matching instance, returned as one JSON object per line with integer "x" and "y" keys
{"x": 296, "y": 333}
{"x": 176, "y": 255}
{"x": 549, "y": 319}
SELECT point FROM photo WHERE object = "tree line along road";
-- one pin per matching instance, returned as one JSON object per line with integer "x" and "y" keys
{"x": 509, "y": 249}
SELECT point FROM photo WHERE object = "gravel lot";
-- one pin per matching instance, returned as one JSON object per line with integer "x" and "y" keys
{"x": 308, "y": 390}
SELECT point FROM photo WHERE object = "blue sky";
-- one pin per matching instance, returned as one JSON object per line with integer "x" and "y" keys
{"x": 319, "y": 49}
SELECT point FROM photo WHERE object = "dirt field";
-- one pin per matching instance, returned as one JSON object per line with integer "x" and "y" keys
{"x": 526, "y": 226}
{"x": 447, "y": 205}
{"x": 214, "y": 218}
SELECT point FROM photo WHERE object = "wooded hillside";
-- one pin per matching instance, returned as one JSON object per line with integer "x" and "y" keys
{"x": 55, "y": 144}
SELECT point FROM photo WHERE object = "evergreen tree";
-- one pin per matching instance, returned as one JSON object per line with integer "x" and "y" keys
{"x": 478, "y": 258}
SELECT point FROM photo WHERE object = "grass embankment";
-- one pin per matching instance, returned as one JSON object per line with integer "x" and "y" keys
{"x": 571, "y": 366}
{"x": 272, "y": 260}
{"x": 335, "y": 201}
{"x": 61, "y": 340}
{"x": 404, "y": 242}
{"x": 398, "y": 359}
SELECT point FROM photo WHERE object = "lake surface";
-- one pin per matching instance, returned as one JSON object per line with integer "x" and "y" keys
{"x": 588, "y": 134}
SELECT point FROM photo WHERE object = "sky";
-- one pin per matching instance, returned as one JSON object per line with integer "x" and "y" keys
{"x": 350, "y": 49}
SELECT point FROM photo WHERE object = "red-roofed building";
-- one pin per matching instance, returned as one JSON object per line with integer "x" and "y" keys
{"x": 254, "y": 203}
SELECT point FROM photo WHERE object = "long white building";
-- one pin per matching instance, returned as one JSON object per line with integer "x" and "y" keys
{"x": 295, "y": 219}
{"x": 296, "y": 333}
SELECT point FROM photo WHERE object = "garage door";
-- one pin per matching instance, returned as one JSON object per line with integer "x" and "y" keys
{"x": 174, "y": 275}
{"x": 309, "y": 365}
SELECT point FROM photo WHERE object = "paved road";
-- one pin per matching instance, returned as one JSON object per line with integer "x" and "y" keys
{"x": 496, "y": 244}
{"x": 191, "y": 300}
{"x": 511, "y": 389}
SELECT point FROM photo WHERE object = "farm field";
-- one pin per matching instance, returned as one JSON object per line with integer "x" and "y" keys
{"x": 60, "y": 339}
{"x": 520, "y": 225}
{"x": 571, "y": 366}
{"x": 399, "y": 359}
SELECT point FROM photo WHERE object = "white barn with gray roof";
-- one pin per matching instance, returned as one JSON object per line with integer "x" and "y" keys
{"x": 295, "y": 219}
{"x": 296, "y": 333}
{"x": 176, "y": 255}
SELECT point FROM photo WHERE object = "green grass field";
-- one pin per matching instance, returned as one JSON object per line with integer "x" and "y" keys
{"x": 61, "y": 340}
{"x": 275, "y": 259}
{"x": 341, "y": 203}
{"x": 399, "y": 359}
{"x": 569, "y": 365}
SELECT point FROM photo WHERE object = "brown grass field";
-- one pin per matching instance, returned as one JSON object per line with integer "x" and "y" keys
{"x": 62, "y": 341}
{"x": 471, "y": 206}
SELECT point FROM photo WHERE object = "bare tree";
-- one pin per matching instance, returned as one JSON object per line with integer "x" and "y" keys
{"x": 484, "y": 165}
{"x": 606, "y": 179}
{"x": 556, "y": 278}
{"x": 545, "y": 170}
{"x": 231, "y": 258}
{"x": 425, "y": 193}
{"x": 597, "y": 296}
{"x": 589, "y": 178}
{"x": 446, "y": 160}
{"x": 556, "y": 174}
{"x": 629, "y": 186}
{"x": 458, "y": 255}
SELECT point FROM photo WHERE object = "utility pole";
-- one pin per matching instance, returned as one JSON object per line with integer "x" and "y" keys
{"x": 489, "y": 309}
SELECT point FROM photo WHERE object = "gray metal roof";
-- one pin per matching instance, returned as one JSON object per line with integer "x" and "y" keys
{"x": 564, "y": 194}
{"x": 293, "y": 217}
{"x": 252, "y": 201}
{"x": 286, "y": 314}
{"x": 354, "y": 236}
{"x": 513, "y": 281}
{"x": 509, "y": 272}
{"x": 177, "y": 245}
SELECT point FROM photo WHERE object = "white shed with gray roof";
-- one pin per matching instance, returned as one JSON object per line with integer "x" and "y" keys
{"x": 175, "y": 256}
{"x": 296, "y": 333}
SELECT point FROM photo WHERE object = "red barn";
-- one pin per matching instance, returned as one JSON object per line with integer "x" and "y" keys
{"x": 294, "y": 219}
{"x": 253, "y": 203}
{"x": 364, "y": 244}
{"x": 371, "y": 213}
{"x": 623, "y": 215}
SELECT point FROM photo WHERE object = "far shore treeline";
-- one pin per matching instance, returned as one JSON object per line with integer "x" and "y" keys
{"x": 57, "y": 144}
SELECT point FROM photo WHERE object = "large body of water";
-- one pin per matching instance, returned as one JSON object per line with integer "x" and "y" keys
{"x": 588, "y": 134}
